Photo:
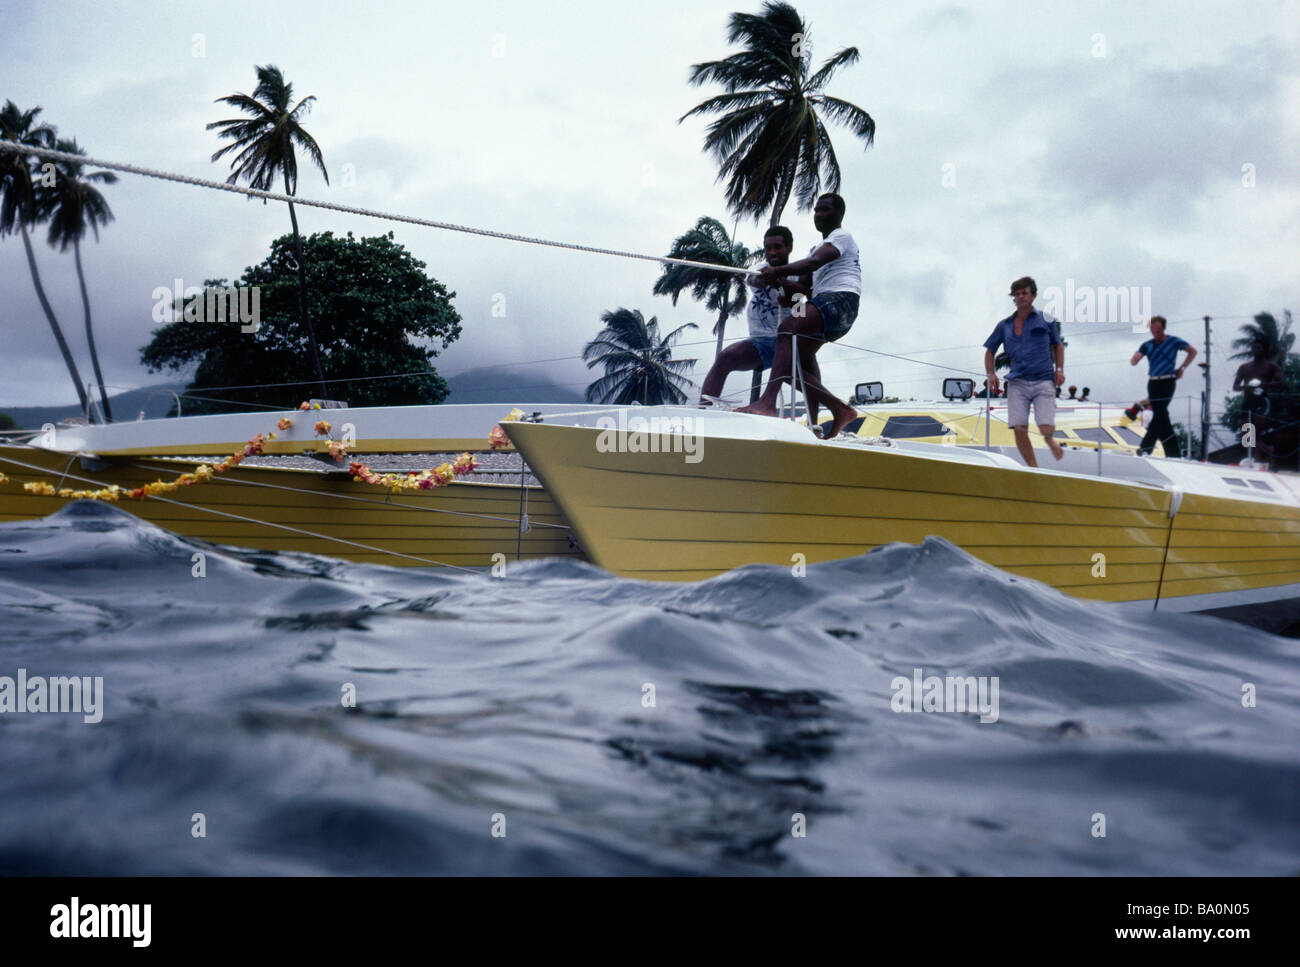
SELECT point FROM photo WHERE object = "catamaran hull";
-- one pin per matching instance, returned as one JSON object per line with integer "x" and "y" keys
{"x": 659, "y": 516}
{"x": 463, "y": 524}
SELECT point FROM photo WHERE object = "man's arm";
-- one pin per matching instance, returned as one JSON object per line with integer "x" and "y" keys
{"x": 790, "y": 286}
{"x": 1191, "y": 354}
{"x": 1137, "y": 358}
{"x": 1060, "y": 364}
{"x": 827, "y": 253}
{"x": 1239, "y": 381}
{"x": 988, "y": 370}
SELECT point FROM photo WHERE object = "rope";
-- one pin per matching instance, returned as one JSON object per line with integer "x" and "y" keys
{"x": 350, "y": 209}
{"x": 366, "y": 500}
{"x": 253, "y": 520}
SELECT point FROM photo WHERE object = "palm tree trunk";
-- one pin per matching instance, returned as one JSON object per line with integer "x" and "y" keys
{"x": 302, "y": 292}
{"x": 722, "y": 326}
{"x": 90, "y": 333}
{"x": 782, "y": 194}
{"x": 54, "y": 323}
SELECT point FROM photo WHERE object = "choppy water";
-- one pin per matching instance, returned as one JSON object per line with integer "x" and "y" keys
{"x": 523, "y": 699}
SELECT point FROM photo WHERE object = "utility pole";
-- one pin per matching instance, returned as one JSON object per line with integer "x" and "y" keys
{"x": 1205, "y": 407}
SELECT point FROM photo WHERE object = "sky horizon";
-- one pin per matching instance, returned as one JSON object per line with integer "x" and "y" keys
{"x": 1090, "y": 147}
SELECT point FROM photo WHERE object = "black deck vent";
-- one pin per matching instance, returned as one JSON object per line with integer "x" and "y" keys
{"x": 903, "y": 427}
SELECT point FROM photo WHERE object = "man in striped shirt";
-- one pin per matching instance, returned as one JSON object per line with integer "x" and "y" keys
{"x": 1161, "y": 351}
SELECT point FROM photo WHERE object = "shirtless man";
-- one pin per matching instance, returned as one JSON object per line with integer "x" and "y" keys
{"x": 1269, "y": 375}
{"x": 826, "y": 317}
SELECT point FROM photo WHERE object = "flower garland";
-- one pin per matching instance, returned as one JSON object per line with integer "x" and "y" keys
{"x": 201, "y": 474}
{"x": 439, "y": 476}
{"x": 497, "y": 438}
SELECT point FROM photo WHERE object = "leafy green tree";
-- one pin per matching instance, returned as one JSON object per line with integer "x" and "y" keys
{"x": 722, "y": 292}
{"x": 7, "y": 422}
{"x": 18, "y": 209}
{"x": 378, "y": 316}
{"x": 638, "y": 362}
{"x": 770, "y": 139}
{"x": 73, "y": 205}
{"x": 265, "y": 141}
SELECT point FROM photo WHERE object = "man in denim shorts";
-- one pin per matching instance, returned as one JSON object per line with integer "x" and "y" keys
{"x": 764, "y": 312}
{"x": 837, "y": 287}
{"x": 1032, "y": 343}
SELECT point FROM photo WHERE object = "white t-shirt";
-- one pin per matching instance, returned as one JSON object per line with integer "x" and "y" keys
{"x": 763, "y": 311}
{"x": 845, "y": 273}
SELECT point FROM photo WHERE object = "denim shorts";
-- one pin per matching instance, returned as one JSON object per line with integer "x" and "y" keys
{"x": 766, "y": 346}
{"x": 839, "y": 310}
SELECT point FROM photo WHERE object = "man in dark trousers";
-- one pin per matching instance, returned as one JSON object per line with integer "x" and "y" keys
{"x": 1256, "y": 379}
{"x": 1163, "y": 373}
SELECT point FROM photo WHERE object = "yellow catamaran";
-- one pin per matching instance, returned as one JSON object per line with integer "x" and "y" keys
{"x": 319, "y": 510}
{"x": 672, "y": 493}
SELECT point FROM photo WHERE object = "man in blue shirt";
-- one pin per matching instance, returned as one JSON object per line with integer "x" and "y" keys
{"x": 1161, "y": 351}
{"x": 1032, "y": 344}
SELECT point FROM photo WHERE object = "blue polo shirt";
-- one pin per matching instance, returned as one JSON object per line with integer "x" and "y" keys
{"x": 1162, "y": 356}
{"x": 1031, "y": 351}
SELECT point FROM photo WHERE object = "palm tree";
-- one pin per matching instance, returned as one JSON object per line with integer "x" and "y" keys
{"x": 722, "y": 292}
{"x": 266, "y": 142}
{"x": 1277, "y": 339}
{"x": 770, "y": 139}
{"x": 18, "y": 209}
{"x": 72, "y": 205}
{"x": 638, "y": 363}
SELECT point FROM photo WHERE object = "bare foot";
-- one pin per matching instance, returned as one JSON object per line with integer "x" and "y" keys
{"x": 1055, "y": 448}
{"x": 758, "y": 409}
{"x": 842, "y": 419}
{"x": 817, "y": 432}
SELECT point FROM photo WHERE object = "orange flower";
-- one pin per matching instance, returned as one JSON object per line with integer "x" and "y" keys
{"x": 305, "y": 405}
{"x": 497, "y": 438}
{"x": 323, "y": 428}
{"x": 283, "y": 423}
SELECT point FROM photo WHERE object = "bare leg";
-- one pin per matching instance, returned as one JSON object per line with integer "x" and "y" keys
{"x": 1022, "y": 444}
{"x": 741, "y": 355}
{"x": 808, "y": 323}
{"x": 1049, "y": 434}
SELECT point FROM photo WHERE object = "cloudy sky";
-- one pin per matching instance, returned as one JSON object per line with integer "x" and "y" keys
{"x": 1087, "y": 144}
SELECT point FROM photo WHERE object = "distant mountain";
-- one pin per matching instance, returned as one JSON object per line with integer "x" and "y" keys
{"x": 508, "y": 386}
{"x": 155, "y": 401}
{"x": 477, "y": 386}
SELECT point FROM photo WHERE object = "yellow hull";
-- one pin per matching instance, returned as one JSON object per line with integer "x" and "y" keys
{"x": 463, "y": 524}
{"x": 656, "y": 516}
